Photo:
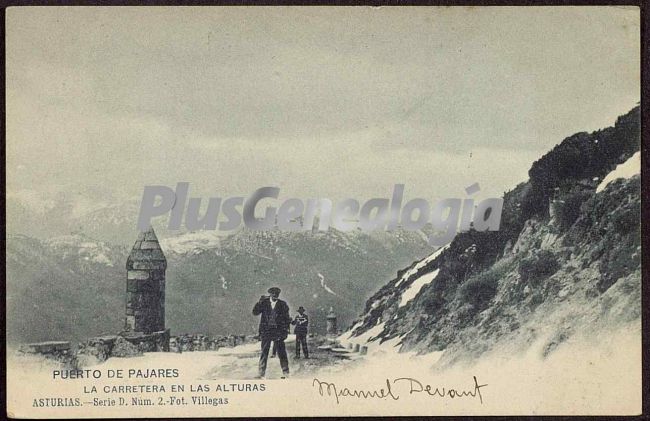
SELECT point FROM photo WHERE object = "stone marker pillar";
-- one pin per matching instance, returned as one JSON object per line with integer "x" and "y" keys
{"x": 145, "y": 285}
{"x": 331, "y": 323}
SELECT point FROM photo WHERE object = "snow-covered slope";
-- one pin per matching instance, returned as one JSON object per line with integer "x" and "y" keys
{"x": 627, "y": 169}
{"x": 539, "y": 280}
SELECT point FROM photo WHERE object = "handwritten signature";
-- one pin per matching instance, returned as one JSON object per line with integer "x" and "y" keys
{"x": 414, "y": 386}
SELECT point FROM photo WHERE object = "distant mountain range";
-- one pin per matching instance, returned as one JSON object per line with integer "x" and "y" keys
{"x": 73, "y": 287}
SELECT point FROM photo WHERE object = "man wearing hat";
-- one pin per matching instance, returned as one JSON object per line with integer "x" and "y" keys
{"x": 274, "y": 326}
{"x": 301, "y": 321}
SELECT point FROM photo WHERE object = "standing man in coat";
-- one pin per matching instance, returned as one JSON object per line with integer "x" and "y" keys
{"x": 274, "y": 327}
{"x": 301, "y": 321}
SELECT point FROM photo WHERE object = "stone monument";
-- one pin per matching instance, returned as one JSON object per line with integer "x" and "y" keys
{"x": 145, "y": 294}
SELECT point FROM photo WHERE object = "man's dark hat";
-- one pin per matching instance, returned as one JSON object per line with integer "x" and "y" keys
{"x": 301, "y": 308}
{"x": 274, "y": 290}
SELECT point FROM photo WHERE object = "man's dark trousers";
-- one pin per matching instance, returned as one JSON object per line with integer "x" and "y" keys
{"x": 282, "y": 354}
{"x": 301, "y": 339}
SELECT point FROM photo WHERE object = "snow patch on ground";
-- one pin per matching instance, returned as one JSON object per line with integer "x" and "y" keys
{"x": 347, "y": 335}
{"x": 584, "y": 376}
{"x": 421, "y": 264}
{"x": 364, "y": 337}
{"x": 416, "y": 286}
{"x": 324, "y": 285}
{"x": 627, "y": 169}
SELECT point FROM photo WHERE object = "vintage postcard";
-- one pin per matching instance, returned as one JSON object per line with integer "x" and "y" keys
{"x": 322, "y": 211}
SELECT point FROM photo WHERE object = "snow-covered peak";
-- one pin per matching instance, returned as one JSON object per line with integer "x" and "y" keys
{"x": 192, "y": 242}
{"x": 88, "y": 249}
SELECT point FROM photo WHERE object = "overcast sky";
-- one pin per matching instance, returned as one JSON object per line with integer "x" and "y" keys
{"x": 326, "y": 102}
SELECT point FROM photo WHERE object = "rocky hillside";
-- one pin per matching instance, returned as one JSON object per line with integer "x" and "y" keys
{"x": 73, "y": 287}
{"x": 565, "y": 261}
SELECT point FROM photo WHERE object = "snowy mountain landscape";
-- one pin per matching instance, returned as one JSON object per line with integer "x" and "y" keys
{"x": 452, "y": 194}
{"x": 569, "y": 245}
{"x": 556, "y": 291}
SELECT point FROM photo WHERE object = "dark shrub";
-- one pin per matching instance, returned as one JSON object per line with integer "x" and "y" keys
{"x": 628, "y": 218}
{"x": 617, "y": 262}
{"x": 569, "y": 211}
{"x": 539, "y": 266}
{"x": 480, "y": 289}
